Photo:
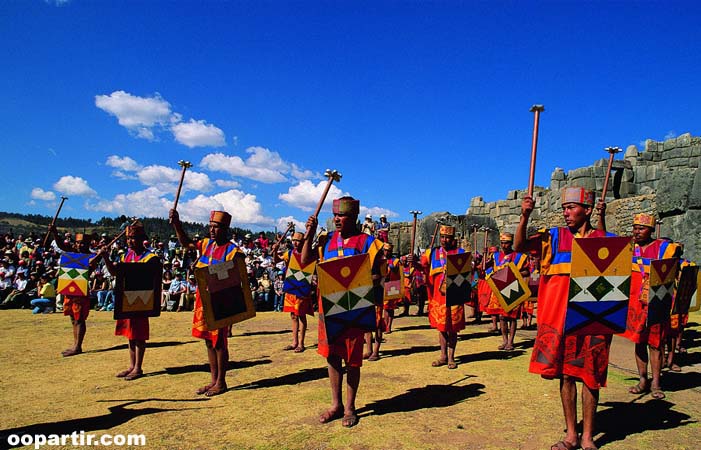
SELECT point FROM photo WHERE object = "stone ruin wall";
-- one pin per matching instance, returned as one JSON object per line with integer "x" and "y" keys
{"x": 662, "y": 180}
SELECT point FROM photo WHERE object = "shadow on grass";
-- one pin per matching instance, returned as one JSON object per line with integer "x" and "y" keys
{"x": 675, "y": 381}
{"x": 117, "y": 415}
{"x": 263, "y": 333}
{"x": 622, "y": 419}
{"x": 476, "y": 335}
{"x": 409, "y": 351}
{"x": 488, "y": 355}
{"x": 205, "y": 367}
{"x": 430, "y": 396}
{"x": 290, "y": 379}
{"x": 412, "y": 327}
{"x": 148, "y": 345}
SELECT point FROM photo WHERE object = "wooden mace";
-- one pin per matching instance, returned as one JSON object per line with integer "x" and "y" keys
{"x": 53, "y": 222}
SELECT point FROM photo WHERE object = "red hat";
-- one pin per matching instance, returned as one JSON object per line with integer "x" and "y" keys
{"x": 221, "y": 217}
{"x": 346, "y": 205}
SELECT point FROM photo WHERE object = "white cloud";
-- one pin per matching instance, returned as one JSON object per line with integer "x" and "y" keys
{"x": 146, "y": 203}
{"x": 305, "y": 195}
{"x": 376, "y": 211}
{"x": 57, "y": 2}
{"x": 198, "y": 133}
{"x": 671, "y": 134}
{"x": 227, "y": 183}
{"x": 71, "y": 185}
{"x": 244, "y": 208}
{"x": 262, "y": 165}
{"x": 40, "y": 194}
{"x": 123, "y": 163}
{"x": 166, "y": 179}
{"x": 283, "y": 221}
{"x": 137, "y": 114}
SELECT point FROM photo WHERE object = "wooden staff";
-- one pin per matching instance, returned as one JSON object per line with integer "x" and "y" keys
{"x": 612, "y": 151}
{"x": 53, "y": 222}
{"x": 486, "y": 251}
{"x": 185, "y": 165}
{"x": 475, "y": 227}
{"x": 413, "y": 230}
{"x": 658, "y": 227}
{"x": 290, "y": 226}
{"x": 537, "y": 109}
{"x": 435, "y": 232}
{"x": 121, "y": 233}
{"x": 331, "y": 175}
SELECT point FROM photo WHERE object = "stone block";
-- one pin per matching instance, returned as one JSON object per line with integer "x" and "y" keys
{"x": 640, "y": 174}
{"x": 628, "y": 175}
{"x": 673, "y": 191}
{"x": 582, "y": 172}
{"x": 695, "y": 150}
{"x": 650, "y": 145}
{"x": 599, "y": 171}
{"x": 652, "y": 172}
{"x": 693, "y": 162}
{"x": 647, "y": 156}
{"x": 695, "y": 193}
{"x": 512, "y": 195}
{"x": 477, "y": 201}
{"x": 684, "y": 140}
{"x": 648, "y": 188}
{"x": 603, "y": 162}
{"x": 631, "y": 153}
{"x": 678, "y": 162}
{"x": 627, "y": 189}
{"x": 558, "y": 174}
{"x": 669, "y": 144}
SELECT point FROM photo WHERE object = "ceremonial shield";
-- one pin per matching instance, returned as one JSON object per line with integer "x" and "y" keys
{"x": 74, "y": 274}
{"x": 686, "y": 290}
{"x": 695, "y": 303}
{"x": 137, "y": 291}
{"x": 509, "y": 286}
{"x": 225, "y": 293}
{"x": 533, "y": 284}
{"x": 663, "y": 273}
{"x": 394, "y": 289}
{"x": 599, "y": 286}
{"x": 298, "y": 279}
{"x": 347, "y": 297}
{"x": 457, "y": 278}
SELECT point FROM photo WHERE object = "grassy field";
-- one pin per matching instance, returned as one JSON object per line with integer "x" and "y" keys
{"x": 275, "y": 397}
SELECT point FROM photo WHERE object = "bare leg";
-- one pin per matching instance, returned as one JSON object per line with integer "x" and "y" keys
{"x": 376, "y": 346}
{"x": 641, "y": 359}
{"x": 335, "y": 378}
{"x": 78, "y": 336}
{"x": 389, "y": 318}
{"x": 504, "y": 331}
{"x": 302, "y": 329}
{"x": 295, "y": 330}
{"x": 443, "y": 340}
{"x": 512, "y": 332}
{"x": 452, "y": 342}
{"x": 655, "y": 368}
{"x": 568, "y": 396}
{"x": 212, "y": 357}
{"x": 368, "y": 345}
{"x": 352, "y": 381}
{"x": 590, "y": 400}
{"x": 140, "y": 351}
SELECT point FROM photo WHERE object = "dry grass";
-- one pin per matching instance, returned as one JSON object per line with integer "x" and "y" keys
{"x": 489, "y": 402}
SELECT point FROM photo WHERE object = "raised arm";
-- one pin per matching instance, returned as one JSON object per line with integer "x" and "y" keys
{"x": 521, "y": 236}
{"x": 184, "y": 239}
{"x": 307, "y": 251}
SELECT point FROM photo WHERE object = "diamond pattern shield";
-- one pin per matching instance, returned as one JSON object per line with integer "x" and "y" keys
{"x": 686, "y": 290}
{"x": 298, "y": 279}
{"x": 225, "y": 293}
{"x": 347, "y": 297}
{"x": 663, "y": 273}
{"x": 73, "y": 274}
{"x": 599, "y": 286}
{"x": 457, "y": 278}
{"x": 509, "y": 286}
{"x": 137, "y": 291}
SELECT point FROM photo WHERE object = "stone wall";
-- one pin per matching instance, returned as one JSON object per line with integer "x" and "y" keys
{"x": 663, "y": 179}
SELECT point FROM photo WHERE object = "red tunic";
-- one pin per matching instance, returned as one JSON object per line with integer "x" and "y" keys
{"x": 136, "y": 329}
{"x": 447, "y": 319}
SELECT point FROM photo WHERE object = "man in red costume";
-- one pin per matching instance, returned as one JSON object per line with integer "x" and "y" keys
{"x": 212, "y": 250}
{"x": 448, "y": 320}
{"x": 653, "y": 337}
{"x": 556, "y": 355}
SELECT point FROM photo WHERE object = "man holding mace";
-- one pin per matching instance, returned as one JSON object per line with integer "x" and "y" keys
{"x": 212, "y": 250}
{"x": 569, "y": 358}
{"x": 447, "y": 319}
{"x": 643, "y": 335}
{"x": 345, "y": 241}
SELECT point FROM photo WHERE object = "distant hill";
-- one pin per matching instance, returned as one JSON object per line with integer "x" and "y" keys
{"x": 37, "y": 225}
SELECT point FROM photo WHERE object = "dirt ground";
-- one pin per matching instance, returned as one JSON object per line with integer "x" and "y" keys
{"x": 489, "y": 402}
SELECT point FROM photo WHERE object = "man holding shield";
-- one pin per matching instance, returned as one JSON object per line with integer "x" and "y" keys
{"x": 343, "y": 244}
{"x": 447, "y": 318}
{"x": 212, "y": 250}
{"x": 569, "y": 358}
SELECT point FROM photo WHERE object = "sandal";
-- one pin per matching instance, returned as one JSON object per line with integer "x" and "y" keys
{"x": 502, "y": 347}
{"x": 508, "y": 348}
{"x": 675, "y": 368}
{"x": 349, "y": 420}
{"x": 203, "y": 389}
{"x": 637, "y": 389}
{"x": 124, "y": 373}
{"x": 657, "y": 394}
{"x": 134, "y": 375}
{"x": 374, "y": 358}
{"x": 215, "y": 391}
{"x": 290, "y": 347}
{"x": 300, "y": 349}
{"x": 331, "y": 415}
{"x": 563, "y": 445}
{"x": 452, "y": 365}
{"x": 439, "y": 362}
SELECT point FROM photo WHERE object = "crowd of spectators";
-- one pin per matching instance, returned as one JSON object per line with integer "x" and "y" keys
{"x": 28, "y": 272}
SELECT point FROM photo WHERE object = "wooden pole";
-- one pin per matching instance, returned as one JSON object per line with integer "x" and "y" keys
{"x": 185, "y": 165}
{"x": 537, "y": 109}
{"x": 290, "y": 226}
{"x": 331, "y": 175}
{"x": 413, "y": 231}
{"x": 121, "y": 233}
{"x": 612, "y": 151}
{"x": 435, "y": 232}
{"x": 53, "y": 222}
{"x": 486, "y": 239}
{"x": 658, "y": 228}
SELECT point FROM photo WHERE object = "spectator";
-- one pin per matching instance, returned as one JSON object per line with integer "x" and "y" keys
{"x": 188, "y": 297}
{"x": 265, "y": 286}
{"x": 172, "y": 296}
{"x": 46, "y": 303}
{"x": 18, "y": 296}
{"x": 279, "y": 294}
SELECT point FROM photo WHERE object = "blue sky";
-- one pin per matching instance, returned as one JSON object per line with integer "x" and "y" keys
{"x": 420, "y": 105}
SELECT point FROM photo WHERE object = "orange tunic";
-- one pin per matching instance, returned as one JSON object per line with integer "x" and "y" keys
{"x": 447, "y": 319}
{"x": 136, "y": 329}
